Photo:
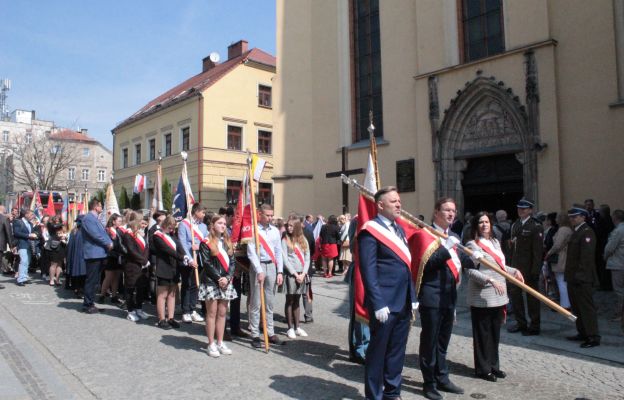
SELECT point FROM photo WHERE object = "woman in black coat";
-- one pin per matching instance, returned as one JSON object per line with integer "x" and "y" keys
{"x": 329, "y": 239}
{"x": 135, "y": 268}
{"x": 168, "y": 254}
{"x": 54, "y": 250}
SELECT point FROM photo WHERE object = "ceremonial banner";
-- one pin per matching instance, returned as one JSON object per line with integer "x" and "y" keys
{"x": 257, "y": 165}
{"x": 50, "y": 208}
{"x": 139, "y": 183}
{"x": 242, "y": 231}
{"x": 157, "y": 201}
{"x": 111, "y": 201}
{"x": 65, "y": 210}
{"x": 180, "y": 208}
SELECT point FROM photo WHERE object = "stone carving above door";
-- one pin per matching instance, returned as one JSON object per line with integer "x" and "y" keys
{"x": 489, "y": 126}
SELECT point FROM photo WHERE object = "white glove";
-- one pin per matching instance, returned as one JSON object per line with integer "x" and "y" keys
{"x": 382, "y": 315}
{"x": 450, "y": 242}
{"x": 415, "y": 306}
{"x": 477, "y": 254}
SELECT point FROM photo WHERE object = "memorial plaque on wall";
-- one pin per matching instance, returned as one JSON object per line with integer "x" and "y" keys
{"x": 405, "y": 176}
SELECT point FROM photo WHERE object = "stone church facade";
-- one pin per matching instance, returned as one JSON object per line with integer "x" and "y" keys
{"x": 488, "y": 100}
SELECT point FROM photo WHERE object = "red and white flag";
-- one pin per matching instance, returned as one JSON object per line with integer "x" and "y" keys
{"x": 139, "y": 183}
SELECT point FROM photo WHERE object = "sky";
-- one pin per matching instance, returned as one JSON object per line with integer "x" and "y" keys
{"x": 91, "y": 64}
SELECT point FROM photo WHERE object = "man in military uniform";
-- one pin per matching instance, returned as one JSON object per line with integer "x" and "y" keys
{"x": 580, "y": 275}
{"x": 527, "y": 247}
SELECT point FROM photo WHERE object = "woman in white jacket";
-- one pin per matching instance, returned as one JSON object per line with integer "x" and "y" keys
{"x": 560, "y": 248}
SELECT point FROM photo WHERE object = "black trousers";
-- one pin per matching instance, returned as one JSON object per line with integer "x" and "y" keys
{"x": 235, "y": 306}
{"x": 583, "y": 307}
{"x": 94, "y": 268}
{"x": 435, "y": 335}
{"x": 533, "y": 304}
{"x": 138, "y": 292}
{"x": 486, "y": 324}
{"x": 189, "y": 292}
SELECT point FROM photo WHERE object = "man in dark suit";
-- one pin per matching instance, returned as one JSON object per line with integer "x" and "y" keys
{"x": 389, "y": 296}
{"x": 580, "y": 275}
{"x": 437, "y": 297}
{"x": 527, "y": 246}
{"x": 6, "y": 239}
{"x": 23, "y": 232}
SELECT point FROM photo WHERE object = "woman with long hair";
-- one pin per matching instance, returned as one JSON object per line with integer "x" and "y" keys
{"x": 216, "y": 289}
{"x": 135, "y": 270}
{"x": 329, "y": 238}
{"x": 345, "y": 251}
{"x": 296, "y": 255}
{"x": 487, "y": 297}
{"x": 168, "y": 255}
{"x": 114, "y": 262}
{"x": 557, "y": 255}
{"x": 54, "y": 249}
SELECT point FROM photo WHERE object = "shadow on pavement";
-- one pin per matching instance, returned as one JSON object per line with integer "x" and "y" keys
{"x": 308, "y": 388}
{"x": 183, "y": 343}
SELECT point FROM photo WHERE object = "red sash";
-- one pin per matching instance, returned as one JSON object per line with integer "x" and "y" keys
{"x": 195, "y": 231}
{"x": 492, "y": 253}
{"x": 452, "y": 264}
{"x": 390, "y": 240}
{"x": 168, "y": 241}
{"x": 223, "y": 257}
{"x": 123, "y": 229}
{"x": 140, "y": 241}
{"x": 299, "y": 255}
{"x": 112, "y": 232}
{"x": 266, "y": 247}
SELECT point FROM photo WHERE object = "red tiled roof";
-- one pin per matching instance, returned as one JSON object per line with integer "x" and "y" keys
{"x": 68, "y": 134}
{"x": 194, "y": 85}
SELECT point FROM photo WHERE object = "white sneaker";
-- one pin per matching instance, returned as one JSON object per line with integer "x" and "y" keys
{"x": 132, "y": 316}
{"x": 213, "y": 351}
{"x": 223, "y": 349}
{"x": 301, "y": 332}
{"x": 141, "y": 314}
{"x": 196, "y": 317}
{"x": 291, "y": 333}
{"x": 187, "y": 318}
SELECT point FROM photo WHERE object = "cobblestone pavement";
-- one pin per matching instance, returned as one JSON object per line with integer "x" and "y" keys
{"x": 49, "y": 350}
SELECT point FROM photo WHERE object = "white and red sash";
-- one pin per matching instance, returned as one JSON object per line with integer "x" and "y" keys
{"x": 166, "y": 238}
{"x": 124, "y": 229}
{"x": 140, "y": 241}
{"x": 299, "y": 255}
{"x": 223, "y": 257}
{"x": 491, "y": 250}
{"x": 267, "y": 248}
{"x": 112, "y": 232}
{"x": 390, "y": 240}
{"x": 195, "y": 230}
{"x": 454, "y": 264}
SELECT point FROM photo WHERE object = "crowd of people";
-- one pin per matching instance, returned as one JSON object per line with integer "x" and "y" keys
{"x": 134, "y": 259}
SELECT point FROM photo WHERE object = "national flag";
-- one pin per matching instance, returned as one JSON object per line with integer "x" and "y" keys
{"x": 50, "y": 209}
{"x": 157, "y": 201}
{"x": 257, "y": 166}
{"x": 33, "y": 201}
{"x": 65, "y": 210}
{"x": 241, "y": 225}
{"x": 180, "y": 202}
{"x": 112, "y": 207}
{"x": 139, "y": 183}
{"x": 85, "y": 203}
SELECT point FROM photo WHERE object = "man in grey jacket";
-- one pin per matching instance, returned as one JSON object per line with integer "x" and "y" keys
{"x": 614, "y": 256}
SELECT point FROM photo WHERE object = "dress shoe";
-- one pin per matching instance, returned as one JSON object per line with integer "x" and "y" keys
{"x": 576, "y": 338}
{"x": 488, "y": 377}
{"x": 93, "y": 310}
{"x": 163, "y": 324}
{"x": 276, "y": 340}
{"x": 432, "y": 394}
{"x": 499, "y": 374}
{"x": 240, "y": 333}
{"x": 257, "y": 343}
{"x": 21, "y": 284}
{"x": 530, "y": 332}
{"x": 309, "y": 320}
{"x": 450, "y": 387}
{"x": 357, "y": 360}
{"x": 515, "y": 329}
{"x": 590, "y": 343}
{"x": 174, "y": 324}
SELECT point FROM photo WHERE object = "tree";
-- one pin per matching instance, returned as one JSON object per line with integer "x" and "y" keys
{"x": 38, "y": 159}
{"x": 101, "y": 194}
{"x": 135, "y": 202}
{"x": 167, "y": 195}
{"x": 124, "y": 200}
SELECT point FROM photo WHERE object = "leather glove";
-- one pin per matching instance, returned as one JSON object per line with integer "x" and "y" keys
{"x": 450, "y": 242}
{"x": 477, "y": 254}
{"x": 382, "y": 315}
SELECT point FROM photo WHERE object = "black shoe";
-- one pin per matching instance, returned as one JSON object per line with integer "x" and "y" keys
{"x": 1, "y": 286}
{"x": 309, "y": 320}
{"x": 488, "y": 377}
{"x": 432, "y": 394}
{"x": 28, "y": 282}
{"x": 101, "y": 299}
{"x": 590, "y": 343}
{"x": 240, "y": 333}
{"x": 450, "y": 387}
{"x": 530, "y": 332}
{"x": 515, "y": 329}
{"x": 21, "y": 284}
{"x": 257, "y": 343}
{"x": 163, "y": 324}
{"x": 356, "y": 359}
{"x": 577, "y": 338}
{"x": 92, "y": 310}
{"x": 173, "y": 323}
{"x": 499, "y": 374}
{"x": 276, "y": 340}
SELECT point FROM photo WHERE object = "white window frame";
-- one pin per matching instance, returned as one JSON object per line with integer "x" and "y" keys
{"x": 101, "y": 175}
{"x": 5, "y": 136}
{"x": 181, "y": 139}
{"x": 147, "y": 146}
{"x": 86, "y": 152}
{"x": 258, "y": 94}
{"x": 29, "y": 138}
{"x": 137, "y": 162}
{"x": 164, "y": 135}
{"x": 82, "y": 175}
{"x": 258, "y": 140}
{"x": 121, "y": 161}
{"x": 228, "y": 123}
{"x": 71, "y": 173}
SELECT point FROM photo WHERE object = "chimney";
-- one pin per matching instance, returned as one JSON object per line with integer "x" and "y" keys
{"x": 84, "y": 131}
{"x": 207, "y": 64}
{"x": 236, "y": 49}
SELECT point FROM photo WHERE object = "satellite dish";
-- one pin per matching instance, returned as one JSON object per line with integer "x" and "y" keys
{"x": 214, "y": 57}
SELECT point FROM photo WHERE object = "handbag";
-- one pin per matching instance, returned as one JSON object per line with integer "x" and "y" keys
{"x": 51, "y": 244}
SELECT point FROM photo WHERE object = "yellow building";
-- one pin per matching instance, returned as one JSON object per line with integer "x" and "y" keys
{"x": 485, "y": 101}
{"x": 215, "y": 116}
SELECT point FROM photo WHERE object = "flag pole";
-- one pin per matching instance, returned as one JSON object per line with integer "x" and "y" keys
{"x": 373, "y": 144}
{"x": 420, "y": 224}
{"x": 254, "y": 224}
{"x": 157, "y": 187}
{"x": 184, "y": 155}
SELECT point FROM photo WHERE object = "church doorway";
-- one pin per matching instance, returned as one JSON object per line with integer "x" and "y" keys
{"x": 492, "y": 183}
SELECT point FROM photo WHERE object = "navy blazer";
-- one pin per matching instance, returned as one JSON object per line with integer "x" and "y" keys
{"x": 438, "y": 287}
{"x": 387, "y": 279}
{"x": 96, "y": 240}
{"x": 20, "y": 232}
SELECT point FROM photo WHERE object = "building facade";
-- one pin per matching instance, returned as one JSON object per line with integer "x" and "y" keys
{"x": 482, "y": 100}
{"x": 215, "y": 116}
